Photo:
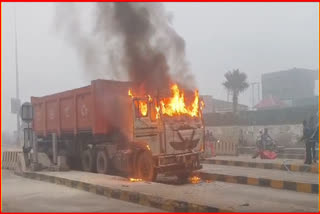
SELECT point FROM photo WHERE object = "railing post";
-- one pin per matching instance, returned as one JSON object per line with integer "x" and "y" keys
{"x": 35, "y": 148}
{"x": 54, "y": 147}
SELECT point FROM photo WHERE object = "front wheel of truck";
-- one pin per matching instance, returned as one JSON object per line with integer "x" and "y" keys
{"x": 145, "y": 168}
{"x": 183, "y": 178}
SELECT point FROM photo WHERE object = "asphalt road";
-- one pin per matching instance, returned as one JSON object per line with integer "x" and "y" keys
{"x": 26, "y": 195}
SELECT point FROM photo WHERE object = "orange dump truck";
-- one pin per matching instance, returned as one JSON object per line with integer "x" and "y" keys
{"x": 100, "y": 128}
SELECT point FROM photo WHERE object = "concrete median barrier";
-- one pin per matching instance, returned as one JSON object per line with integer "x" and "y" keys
{"x": 141, "y": 198}
{"x": 263, "y": 182}
{"x": 266, "y": 165}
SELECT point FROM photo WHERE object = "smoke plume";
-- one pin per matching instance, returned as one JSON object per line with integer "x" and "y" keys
{"x": 126, "y": 41}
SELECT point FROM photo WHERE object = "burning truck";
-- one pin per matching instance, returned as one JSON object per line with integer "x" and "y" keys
{"x": 112, "y": 127}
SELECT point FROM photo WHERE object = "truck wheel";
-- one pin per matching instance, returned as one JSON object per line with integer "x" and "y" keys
{"x": 102, "y": 162}
{"x": 145, "y": 168}
{"x": 88, "y": 160}
{"x": 183, "y": 178}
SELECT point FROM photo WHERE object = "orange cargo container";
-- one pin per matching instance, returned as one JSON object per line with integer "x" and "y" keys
{"x": 98, "y": 109}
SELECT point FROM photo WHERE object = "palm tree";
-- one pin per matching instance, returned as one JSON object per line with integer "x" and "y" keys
{"x": 236, "y": 82}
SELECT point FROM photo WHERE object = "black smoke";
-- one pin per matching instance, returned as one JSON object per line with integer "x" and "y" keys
{"x": 128, "y": 41}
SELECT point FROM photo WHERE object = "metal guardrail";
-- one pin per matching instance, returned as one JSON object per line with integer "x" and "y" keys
{"x": 225, "y": 148}
{"x": 214, "y": 148}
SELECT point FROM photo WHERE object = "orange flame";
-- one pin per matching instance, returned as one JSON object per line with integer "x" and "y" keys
{"x": 135, "y": 179}
{"x": 195, "y": 179}
{"x": 130, "y": 93}
{"x": 202, "y": 104}
{"x": 158, "y": 112}
{"x": 176, "y": 104}
{"x": 143, "y": 107}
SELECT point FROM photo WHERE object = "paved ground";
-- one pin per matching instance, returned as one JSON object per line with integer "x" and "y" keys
{"x": 26, "y": 195}
{"x": 262, "y": 173}
{"x": 237, "y": 197}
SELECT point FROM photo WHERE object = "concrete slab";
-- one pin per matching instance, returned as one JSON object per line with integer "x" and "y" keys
{"x": 225, "y": 196}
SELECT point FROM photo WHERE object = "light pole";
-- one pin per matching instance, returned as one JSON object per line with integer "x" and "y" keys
{"x": 17, "y": 77}
{"x": 253, "y": 92}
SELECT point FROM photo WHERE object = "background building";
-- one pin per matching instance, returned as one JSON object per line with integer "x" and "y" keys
{"x": 290, "y": 86}
{"x": 208, "y": 104}
{"x": 217, "y": 106}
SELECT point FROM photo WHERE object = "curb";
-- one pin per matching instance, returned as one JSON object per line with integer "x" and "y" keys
{"x": 263, "y": 182}
{"x": 124, "y": 195}
{"x": 279, "y": 166}
{"x": 291, "y": 156}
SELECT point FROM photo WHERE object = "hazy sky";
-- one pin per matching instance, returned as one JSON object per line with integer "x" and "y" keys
{"x": 254, "y": 37}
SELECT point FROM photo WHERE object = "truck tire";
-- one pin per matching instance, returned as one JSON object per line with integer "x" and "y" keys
{"x": 102, "y": 162}
{"x": 88, "y": 160}
{"x": 183, "y": 178}
{"x": 145, "y": 168}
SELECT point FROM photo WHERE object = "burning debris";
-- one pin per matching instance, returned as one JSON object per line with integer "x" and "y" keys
{"x": 135, "y": 179}
{"x": 195, "y": 180}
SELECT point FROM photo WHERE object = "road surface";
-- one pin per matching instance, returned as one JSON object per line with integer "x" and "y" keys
{"x": 25, "y": 195}
{"x": 225, "y": 196}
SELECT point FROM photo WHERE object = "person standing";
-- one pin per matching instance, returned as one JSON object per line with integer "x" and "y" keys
{"x": 258, "y": 144}
{"x": 314, "y": 140}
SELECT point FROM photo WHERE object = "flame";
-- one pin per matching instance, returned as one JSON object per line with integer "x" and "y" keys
{"x": 202, "y": 104}
{"x": 148, "y": 147}
{"x": 176, "y": 105}
{"x": 195, "y": 179}
{"x": 158, "y": 112}
{"x": 195, "y": 104}
{"x": 172, "y": 106}
{"x": 143, "y": 107}
{"x": 130, "y": 93}
{"x": 135, "y": 179}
